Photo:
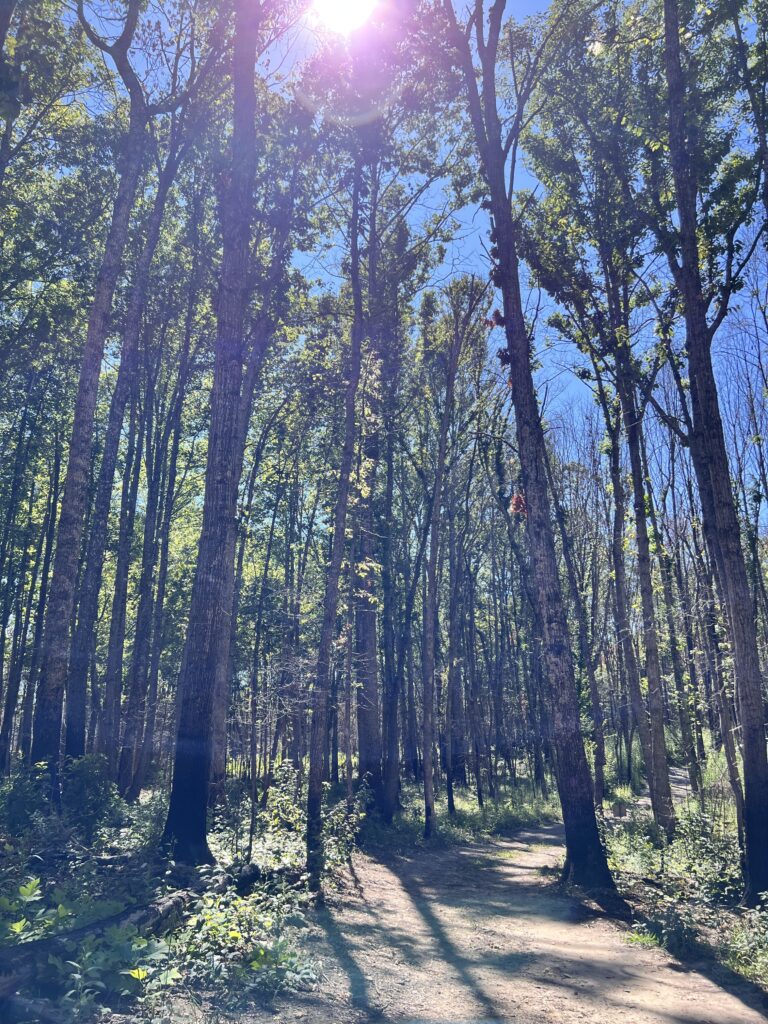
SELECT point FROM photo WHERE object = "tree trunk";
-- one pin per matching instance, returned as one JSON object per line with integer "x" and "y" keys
{"x": 318, "y": 733}
{"x": 109, "y": 734}
{"x": 392, "y": 680}
{"x": 206, "y": 652}
{"x": 83, "y": 641}
{"x": 664, "y": 811}
{"x": 366, "y": 643}
{"x": 710, "y": 460}
{"x": 586, "y": 862}
{"x": 56, "y": 639}
{"x": 598, "y": 719}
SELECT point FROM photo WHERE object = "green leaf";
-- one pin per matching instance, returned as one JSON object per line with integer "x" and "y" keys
{"x": 30, "y": 890}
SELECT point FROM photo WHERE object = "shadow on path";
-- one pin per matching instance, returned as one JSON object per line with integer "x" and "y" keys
{"x": 477, "y": 935}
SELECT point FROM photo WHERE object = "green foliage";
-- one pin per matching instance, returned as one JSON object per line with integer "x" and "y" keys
{"x": 516, "y": 808}
{"x": 28, "y": 915}
{"x": 746, "y": 948}
{"x": 24, "y": 791}
{"x": 239, "y": 944}
{"x": 279, "y": 842}
{"x": 686, "y": 892}
{"x": 231, "y": 943}
{"x": 670, "y": 924}
{"x": 701, "y": 863}
{"x": 341, "y": 826}
{"x": 616, "y": 785}
{"x": 89, "y": 799}
{"x": 111, "y": 967}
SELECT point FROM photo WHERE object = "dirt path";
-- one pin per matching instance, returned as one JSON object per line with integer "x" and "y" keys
{"x": 479, "y": 935}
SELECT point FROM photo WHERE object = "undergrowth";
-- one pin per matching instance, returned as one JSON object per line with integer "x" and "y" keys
{"x": 687, "y": 892}
{"x": 94, "y": 858}
{"x": 514, "y": 808}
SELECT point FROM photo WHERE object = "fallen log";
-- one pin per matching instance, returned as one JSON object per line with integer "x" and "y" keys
{"x": 19, "y": 963}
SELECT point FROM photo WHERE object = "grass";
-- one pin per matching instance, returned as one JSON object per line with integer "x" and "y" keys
{"x": 514, "y": 808}
{"x": 687, "y": 892}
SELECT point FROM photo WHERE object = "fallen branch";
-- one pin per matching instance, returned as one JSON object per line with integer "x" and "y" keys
{"x": 19, "y": 963}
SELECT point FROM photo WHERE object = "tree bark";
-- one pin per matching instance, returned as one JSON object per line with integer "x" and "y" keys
{"x": 664, "y": 811}
{"x": 83, "y": 640}
{"x": 586, "y": 860}
{"x": 710, "y": 460}
{"x": 109, "y": 733}
{"x": 206, "y": 651}
{"x": 319, "y": 725}
{"x": 56, "y": 640}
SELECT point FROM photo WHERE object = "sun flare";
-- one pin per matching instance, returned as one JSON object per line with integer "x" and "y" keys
{"x": 342, "y": 16}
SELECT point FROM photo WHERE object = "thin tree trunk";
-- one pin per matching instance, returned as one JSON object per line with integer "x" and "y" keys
{"x": 25, "y": 728}
{"x": 664, "y": 811}
{"x": 46, "y": 738}
{"x": 109, "y": 738}
{"x": 318, "y": 733}
{"x": 83, "y": 640}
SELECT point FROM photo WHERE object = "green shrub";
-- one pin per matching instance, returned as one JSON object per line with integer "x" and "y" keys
{"x": 240, "y": 943}
{"x": 705, "y": 853}
{"x": 673, "y": 924}
{"x": 89, "y": 799}
{"x": 746, "y": 947}
{"x": 341, "y": 826}
{"x": 26, "y": 788}
{"x": 26, "y": 914}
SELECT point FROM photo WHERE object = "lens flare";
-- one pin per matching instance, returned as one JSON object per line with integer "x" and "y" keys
{"x": 341, "y": 16}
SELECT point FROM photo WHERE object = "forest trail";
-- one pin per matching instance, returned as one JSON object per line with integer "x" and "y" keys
{"x": 480, "y": 935}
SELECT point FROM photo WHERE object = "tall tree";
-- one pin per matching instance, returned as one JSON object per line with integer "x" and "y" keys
{"x": 497, "y": 137}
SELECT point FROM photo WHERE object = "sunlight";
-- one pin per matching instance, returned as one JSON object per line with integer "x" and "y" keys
{"x": 342, "y": 16}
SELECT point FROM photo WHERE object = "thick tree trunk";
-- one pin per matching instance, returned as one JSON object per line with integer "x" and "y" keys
{"x": 206, "y": 652}
{"x": 587, "y": 864}
{"x": 710, "y": 460}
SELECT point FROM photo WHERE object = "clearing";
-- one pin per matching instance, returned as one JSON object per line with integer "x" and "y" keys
{"x": 480, "y": 934}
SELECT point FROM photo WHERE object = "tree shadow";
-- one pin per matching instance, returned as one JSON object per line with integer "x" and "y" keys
{"x": 358, "y": 984}
{"x": 479, "y": 891}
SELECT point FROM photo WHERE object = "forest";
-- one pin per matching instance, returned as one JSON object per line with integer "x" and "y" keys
{"x": 383, "y": 511}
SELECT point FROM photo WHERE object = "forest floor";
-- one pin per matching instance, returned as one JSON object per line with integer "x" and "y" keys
{"x": 483, "y": 934}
